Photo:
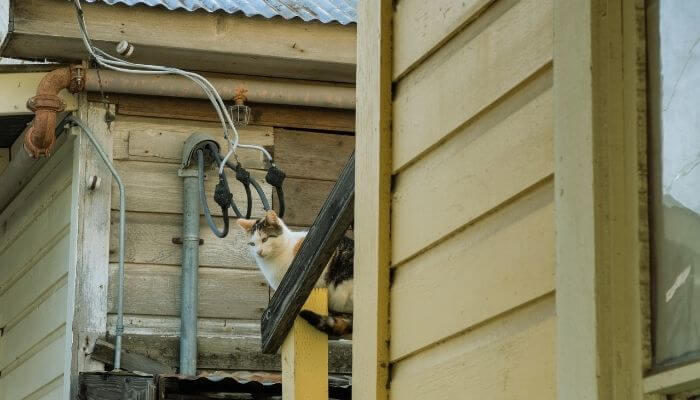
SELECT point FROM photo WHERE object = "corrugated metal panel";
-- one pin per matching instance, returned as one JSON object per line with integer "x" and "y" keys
{"x": 264, "y": 385}
{"x": 343, "y": 11}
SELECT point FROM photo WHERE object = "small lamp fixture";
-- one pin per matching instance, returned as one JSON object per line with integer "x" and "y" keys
{"x": 240, "y": 113}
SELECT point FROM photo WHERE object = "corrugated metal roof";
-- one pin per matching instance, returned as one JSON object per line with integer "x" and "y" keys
{"x": 264, "y": 385}
{"x": 343, "y": 11}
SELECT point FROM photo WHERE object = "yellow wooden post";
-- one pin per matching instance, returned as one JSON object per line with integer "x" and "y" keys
{"x": 305, "y": 355}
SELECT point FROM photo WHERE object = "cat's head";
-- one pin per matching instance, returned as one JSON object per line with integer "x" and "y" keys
{"x": 265, "y": 234}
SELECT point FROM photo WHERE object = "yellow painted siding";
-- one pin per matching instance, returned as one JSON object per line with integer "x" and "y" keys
{"x": 473, "y": 248}
{"x": 34, "y": 250}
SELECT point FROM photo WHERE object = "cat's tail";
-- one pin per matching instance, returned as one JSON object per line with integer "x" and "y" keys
{"x": 333, "y": 325}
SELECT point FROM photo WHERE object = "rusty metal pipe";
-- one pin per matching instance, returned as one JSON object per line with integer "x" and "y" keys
{"x": 41, "y": 136}
{"x": 259, "y": 90}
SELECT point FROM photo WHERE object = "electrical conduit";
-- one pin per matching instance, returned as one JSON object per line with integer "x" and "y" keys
{"x": 190, "y": 266}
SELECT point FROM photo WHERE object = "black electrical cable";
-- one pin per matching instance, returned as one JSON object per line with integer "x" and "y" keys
{"x": 244, "y": 177}
{"x": 203, "y": 199}
{"x": 222, "y": 186}
{"x": 275, "y": 177}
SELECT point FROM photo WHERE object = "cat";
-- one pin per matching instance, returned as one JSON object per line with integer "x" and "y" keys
{"x": 273, "y": 246}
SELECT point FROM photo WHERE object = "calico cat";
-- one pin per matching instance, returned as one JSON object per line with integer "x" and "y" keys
{"x": 274, "y": 246}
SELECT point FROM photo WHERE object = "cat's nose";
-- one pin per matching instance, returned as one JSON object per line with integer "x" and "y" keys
{"x": 260, "y": 252}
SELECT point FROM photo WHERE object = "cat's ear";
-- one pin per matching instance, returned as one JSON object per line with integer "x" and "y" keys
{"x": 271, "y": 218}
{"x": 246, "y": 224}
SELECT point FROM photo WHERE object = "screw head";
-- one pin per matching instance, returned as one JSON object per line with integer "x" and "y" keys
{"x": 93, "y": 182}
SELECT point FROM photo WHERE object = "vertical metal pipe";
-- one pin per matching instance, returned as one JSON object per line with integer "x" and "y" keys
{"x": 190, "y": 264}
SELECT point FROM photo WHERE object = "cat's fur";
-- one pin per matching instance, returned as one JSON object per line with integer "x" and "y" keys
{"x": 274, "y": 246}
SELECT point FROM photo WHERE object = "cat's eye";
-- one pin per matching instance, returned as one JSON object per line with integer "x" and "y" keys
{"x": 251, "y": 244}
{"x": 264, "y": 240}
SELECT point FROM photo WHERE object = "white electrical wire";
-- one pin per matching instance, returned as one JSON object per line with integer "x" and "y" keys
{"x": 116, "y": 64}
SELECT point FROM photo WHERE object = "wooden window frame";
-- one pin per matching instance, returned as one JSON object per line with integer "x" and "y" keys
{"x": 602, "y": 271}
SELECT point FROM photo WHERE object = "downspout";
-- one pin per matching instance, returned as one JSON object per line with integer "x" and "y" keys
{"x": 41, "y": 136}
{"x": 39, "y": 141}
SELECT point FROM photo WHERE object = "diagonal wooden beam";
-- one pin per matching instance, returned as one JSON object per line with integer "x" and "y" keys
{"x": 330, "y": 225}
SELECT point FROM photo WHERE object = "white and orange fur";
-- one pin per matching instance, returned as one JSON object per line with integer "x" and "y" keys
{"x": 273, "y": 246}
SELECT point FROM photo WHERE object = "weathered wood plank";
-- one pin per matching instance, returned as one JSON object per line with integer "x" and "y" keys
{"x": 328, "y": 228}
{"x": 116, "y": 386}
{"x": 104, "y": 352}
{"x": 274, "y": 115}
{"x": 223, "y": 292}
{"x": 303, "y": 199}
{"x": 509, "y": 358}
{"x": 468, "y": 74}
{"x": 149, "y": 241}
{"x": 305, "y": 355}
{"x": 138, "y": 324}
{"x": 254, "y": 46}
{"x": 420, "y": 27}
{"x": 156, "y": 187}
{"x": 484, "y": 165}
{"x": 501, "y": 262}
{"x": 40, "y": 369}
{"x": 229, "y": 353}
{"x": 224, "y": 344}
{"x": 312, "y": 155}
{"x": 90, "y": 238}
{"x": 161, "y": 140}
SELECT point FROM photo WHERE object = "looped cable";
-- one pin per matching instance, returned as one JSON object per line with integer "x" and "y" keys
{"x": 243, "y": 177}
{"x": 275, "y": 177}
{"x": 203, "y": 199}
{"x": 223, "y": 183}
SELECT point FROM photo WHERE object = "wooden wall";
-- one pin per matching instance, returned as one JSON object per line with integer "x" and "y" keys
{"x": 148, "y": 136}
{"x": 34, "y": 258}
{"x": 472, "y": 219}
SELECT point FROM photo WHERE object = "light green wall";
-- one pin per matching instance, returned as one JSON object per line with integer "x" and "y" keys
{"x": 34, "y": 248}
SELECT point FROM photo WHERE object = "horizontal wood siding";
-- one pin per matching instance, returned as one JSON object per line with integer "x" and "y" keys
{"x": 420, "y": 27}
{"x": 232, "y": 292}
{"x": 161, "y": 139}
{"x": 223, "y": 293}
{"x": 473, "y": 251}
{"x": 470, "y": 72}
{"x": 502, "y": 261}
{"x": 34, "y": 250}
{"x": 510, "y": 358}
